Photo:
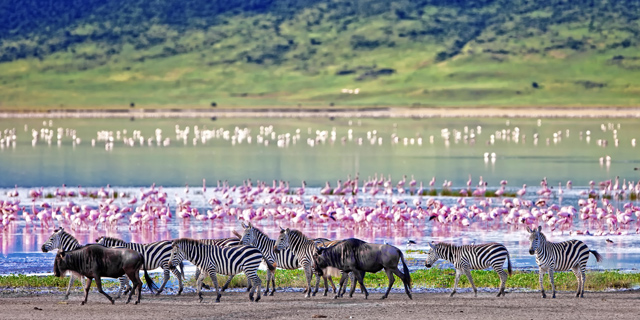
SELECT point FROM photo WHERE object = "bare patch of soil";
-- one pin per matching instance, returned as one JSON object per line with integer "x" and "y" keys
{"x": 236, "y": 305}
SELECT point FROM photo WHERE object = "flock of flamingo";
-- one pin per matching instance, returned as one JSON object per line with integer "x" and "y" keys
{"x": 610, "y": 209}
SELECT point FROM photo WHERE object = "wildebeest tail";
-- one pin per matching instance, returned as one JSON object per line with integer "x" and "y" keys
{"x": 405, "y": 270}
{"x": 152, "y": 286}
{"x": 597, "y": 255}
{"x": 181, "y": 265}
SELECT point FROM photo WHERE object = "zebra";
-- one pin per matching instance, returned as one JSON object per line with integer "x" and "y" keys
{"x": 472, "y": 257}
{"x": 283, "y": 259}
{"x": 63, "y": 241}
{"x": 223, "y": 260}
{"x": 561, "y": 256}
{"x": 224, "y": 242}
{"x": 303, "y": 249}
{"x": 156, "y": 255}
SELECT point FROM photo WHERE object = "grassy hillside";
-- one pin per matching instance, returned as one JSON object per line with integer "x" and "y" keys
{"x": 288, "y": 53}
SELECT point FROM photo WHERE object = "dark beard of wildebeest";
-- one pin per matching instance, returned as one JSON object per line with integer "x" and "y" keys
{"x": 359, "y": 257}
{"x": 97, "y": 261}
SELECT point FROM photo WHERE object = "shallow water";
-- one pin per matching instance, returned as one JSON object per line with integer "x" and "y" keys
{"x": 526, "y": 150}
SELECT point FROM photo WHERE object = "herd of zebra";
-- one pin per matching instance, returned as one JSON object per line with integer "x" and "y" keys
{"x": 293, "y": 250}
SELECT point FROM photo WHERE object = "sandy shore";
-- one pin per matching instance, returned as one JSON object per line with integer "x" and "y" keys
{"x": 236, "y": 305}
{"x": 384, "y": 112}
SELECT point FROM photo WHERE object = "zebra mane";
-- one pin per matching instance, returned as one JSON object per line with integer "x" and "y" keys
{"x": 542, "y": 236}
{"x": 61, "y": 233}
{"x": 187, "y": 241}
{"x": 259, "y": 233}
{"x": 298, "y": 233}
{"x": 113, "y": 239}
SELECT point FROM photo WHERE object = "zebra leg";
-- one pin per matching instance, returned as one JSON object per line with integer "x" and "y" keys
{"x": 71, "y": 279}
{"x": 226, "y": 284}
{"x": 392, "y": 279}
{"x": 178, "y": 275}
{"x": 455, "y": 283}
{"x": 315, "y": 290}
{"x": 308, "y": 274}
{"x": 576, "y": 272}
{"x": 541, "y": 279}
{"x": 351, "y": 278}
{"x": 202, "y": 284}
{"x": 468, "y": 273}
{"x": 271, "y": 276}
{"x": 200, "y": 278}
{"x": 553, "y": 285}
{"x": 164, "y": 281}
{"x": 256, "y": 284}
{"x": 99, "y": 285}
{"x": 503, "y": 280}
{"x": 214, "y": 279}
{"x": 86, "y": 290}
{"x": 124, "y": 286}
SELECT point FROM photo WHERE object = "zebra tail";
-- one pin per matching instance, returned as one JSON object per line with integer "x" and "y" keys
{"x": 405, "y": 270}
{"x": 152, "y": 286}
{"x": 509, "y": 264}
{"x": 597, "y": 255}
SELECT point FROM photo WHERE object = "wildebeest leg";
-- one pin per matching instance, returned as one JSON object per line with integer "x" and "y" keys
{"x": 407, "y": 288}
{"x": 200, "y": 278}
{"x": 99, "y": 285}
{"x": 392, "y": 279}
{"x": 86, "y": 290}
{"x": 468, "y": 273}
{"x": 455, "y": 283}
{"x": 178, "y": 275}
{"x": 360, "y": 277}
{"x": 341, "y": 284}
{"x": 214, "y": 279}
{"x": 137, "y": 284}
{"x": 332, "y": 286}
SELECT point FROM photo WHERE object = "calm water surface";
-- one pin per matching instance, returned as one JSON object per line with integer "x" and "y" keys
{"x": 315, "y": 150}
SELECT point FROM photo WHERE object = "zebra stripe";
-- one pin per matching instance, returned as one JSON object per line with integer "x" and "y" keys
{"x": 302, "y": 247}
{"x": 224, "y": 242}
{"x": 561, "y": 256}
{"x": 472, "y": 257}
{"x": 156, "y": 255}
{"x": 224, "y": 260}
{"x": 62, "y": 240}
{"x": 283, "y": 259}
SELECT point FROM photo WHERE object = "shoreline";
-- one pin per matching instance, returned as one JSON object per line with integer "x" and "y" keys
{"x": 381, "y": 112}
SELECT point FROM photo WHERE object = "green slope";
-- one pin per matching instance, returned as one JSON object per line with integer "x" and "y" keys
{"x": 290, "y": 53}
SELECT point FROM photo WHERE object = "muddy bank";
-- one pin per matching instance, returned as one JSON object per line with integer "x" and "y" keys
{"x": 236, "y": 305}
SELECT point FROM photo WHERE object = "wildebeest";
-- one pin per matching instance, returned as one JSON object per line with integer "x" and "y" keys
{"x": 97, "y": 261}
{"x": 359, "y": 257}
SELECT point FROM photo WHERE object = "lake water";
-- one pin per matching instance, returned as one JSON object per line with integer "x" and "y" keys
{"x": 521, "y": 151}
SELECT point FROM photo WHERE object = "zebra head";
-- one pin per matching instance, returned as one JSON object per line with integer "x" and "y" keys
{"x": 283, "y": 240}
{"x": 54, "y": 241}
{"x": 176, "y": 255}
{"x": 535, "y": 237}
{"x": 249, "y": 235}
{"x": 432, "y": 256}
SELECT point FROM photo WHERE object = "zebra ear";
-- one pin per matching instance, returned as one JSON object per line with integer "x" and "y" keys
{"x": 529, "y": 230}
{"x": 250, "y": 225}
{"x": 281, "y": 230}
{"x": 244, "y": 226}
{"x": 539, "y": 228}
{"x": 431, "y": 245}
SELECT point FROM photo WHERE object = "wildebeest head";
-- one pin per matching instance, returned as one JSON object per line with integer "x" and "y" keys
{"x": 59, "y": 264}
{"x": 432, "y": 256}
{"x": 319, "y": 260}
{"x": 249, "y": 235}
{"x": 53, "y": 241}
{"x": 535, "y": 237}
{"x": 283, "y": 240}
